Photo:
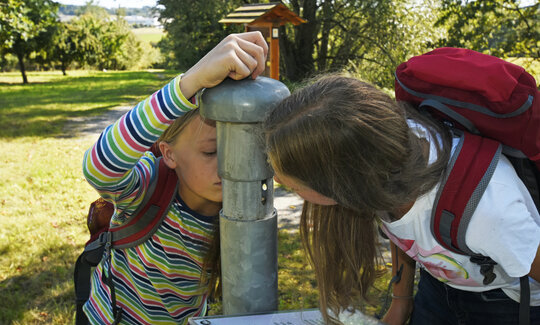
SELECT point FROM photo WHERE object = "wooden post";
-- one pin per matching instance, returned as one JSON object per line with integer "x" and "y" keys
{"x": 274, "y": 52}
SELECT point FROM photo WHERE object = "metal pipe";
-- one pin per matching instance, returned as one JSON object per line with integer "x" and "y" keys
{"x": 248, "y": 220}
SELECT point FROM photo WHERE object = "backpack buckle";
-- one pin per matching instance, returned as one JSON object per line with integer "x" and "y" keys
{"x": 486, "y": 267}
{"x": 105, "y": 239}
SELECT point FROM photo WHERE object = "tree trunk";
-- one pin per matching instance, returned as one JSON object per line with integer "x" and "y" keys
{"x": 322, "y": 59}
{"x": 297, "y": 52}
{"x": 21, "y": 67}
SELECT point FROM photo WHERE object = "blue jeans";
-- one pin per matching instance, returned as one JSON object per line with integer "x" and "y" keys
{"x": 438, "y": 304}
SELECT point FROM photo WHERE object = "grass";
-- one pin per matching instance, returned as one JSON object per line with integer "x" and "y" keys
{"x": 151, "y": 35}
{"x": 41, "y": 108}
{"x": 44, "y": 198}
{"x": 42, "y": 218}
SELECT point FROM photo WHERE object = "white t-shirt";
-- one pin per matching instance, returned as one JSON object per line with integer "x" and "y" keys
{"x": 505, "y": 226}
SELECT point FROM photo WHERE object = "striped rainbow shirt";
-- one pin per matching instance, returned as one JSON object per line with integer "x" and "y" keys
{"x": 156, "y": 282}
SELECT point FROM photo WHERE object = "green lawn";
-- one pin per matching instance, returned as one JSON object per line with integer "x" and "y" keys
{"x": 149, "y": 34}
{"x": 43, "y": 196}
{"x": 41, "y": 108}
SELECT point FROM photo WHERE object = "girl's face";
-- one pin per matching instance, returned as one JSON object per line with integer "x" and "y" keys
{"x": 195, "y": 156}
{"x": 302, "y": 190}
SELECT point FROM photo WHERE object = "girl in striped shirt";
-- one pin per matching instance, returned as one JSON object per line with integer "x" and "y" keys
{"x": 167, "y": 278}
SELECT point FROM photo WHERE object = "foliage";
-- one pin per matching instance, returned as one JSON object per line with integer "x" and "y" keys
{"x": 497, "y": 27}
{"x": 108, "y": 43}
{"x": 337, "y": 34}
{"x": 73, "y": 10}
{"x": 66, "y": 45}
{"x": 193, "y": 29}
{"x": 409, "y": 32}
{"x": 14, "y": 21}
{"x": 30, "y": 32}
{"x": 26, "y": 28}
{"x": 369, "y": 38}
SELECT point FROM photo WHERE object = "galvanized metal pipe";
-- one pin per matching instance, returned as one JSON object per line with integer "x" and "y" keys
{"x": 248, "y": 220}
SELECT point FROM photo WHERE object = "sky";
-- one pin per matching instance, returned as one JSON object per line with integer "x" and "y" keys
{"x": 112, "y": 3}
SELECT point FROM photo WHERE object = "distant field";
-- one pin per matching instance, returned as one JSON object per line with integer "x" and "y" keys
{"x": 149, "y": 34}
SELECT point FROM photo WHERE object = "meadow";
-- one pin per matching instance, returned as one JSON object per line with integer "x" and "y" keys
{"x": 151, "y": 35}
{"x": 44, "y": 198}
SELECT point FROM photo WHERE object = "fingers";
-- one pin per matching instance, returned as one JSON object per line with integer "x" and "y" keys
{"x": 243, "y": 64}
{"x": 256, "y": 53}
{"x": 237, "y": 56}
{"x": 257, "y": 38}
{"x": 253, "y": 45}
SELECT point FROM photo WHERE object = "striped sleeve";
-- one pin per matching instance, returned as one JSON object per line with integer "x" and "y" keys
{"x": 116, "y": 165}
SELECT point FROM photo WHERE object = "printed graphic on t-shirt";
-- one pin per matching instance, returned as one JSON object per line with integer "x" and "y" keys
{"x": 436, "y": 261}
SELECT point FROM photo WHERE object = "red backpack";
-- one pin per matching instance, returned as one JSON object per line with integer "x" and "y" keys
{"x": 496, "y": 107}
{"x": 141, "y": 226}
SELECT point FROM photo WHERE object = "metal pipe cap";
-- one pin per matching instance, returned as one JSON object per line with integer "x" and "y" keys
{"x": 242, "y": 101}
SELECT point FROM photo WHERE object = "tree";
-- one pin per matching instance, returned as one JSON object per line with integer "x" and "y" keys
{"x": 25, "y": 28}
{"x": 96, "y": 41}
{"x": 13, "y": 18}
{"x": 354, "y": 34}
{"x": 193, "y": 28}
{"x": 337, "y": 34}
{"x": 498, "y": 27}
{"x": 66, "y": 47}
{"x": 409, "y": 31}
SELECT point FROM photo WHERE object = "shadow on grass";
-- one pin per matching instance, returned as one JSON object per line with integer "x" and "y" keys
{"x": 44, "y": 287}
{"x": 46, "y": 123}
{"x": 42, "y": 108}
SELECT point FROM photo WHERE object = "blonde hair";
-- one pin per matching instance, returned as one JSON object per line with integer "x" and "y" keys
{"x": 211, "y": 270}
{"x": 175, "y": 129}
{"x": 350, "y": 142}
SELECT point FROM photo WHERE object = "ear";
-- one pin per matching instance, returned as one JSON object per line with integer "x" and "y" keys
{"x": 168, "y": 154}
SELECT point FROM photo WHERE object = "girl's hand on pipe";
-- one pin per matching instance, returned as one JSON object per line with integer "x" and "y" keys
{"x": 237, "y": 56}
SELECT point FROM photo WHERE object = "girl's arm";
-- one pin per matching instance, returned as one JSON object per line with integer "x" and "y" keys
{"x": 109, "y": 165}
{"x": 113, "y": 165}
{"x": 535, "y": 267}
{"x": 402, "y": 293}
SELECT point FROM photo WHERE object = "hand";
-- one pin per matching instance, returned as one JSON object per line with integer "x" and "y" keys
{"x": 237, "y": 56}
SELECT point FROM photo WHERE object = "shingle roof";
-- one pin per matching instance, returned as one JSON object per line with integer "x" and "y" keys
{"x": 274, "y": 12}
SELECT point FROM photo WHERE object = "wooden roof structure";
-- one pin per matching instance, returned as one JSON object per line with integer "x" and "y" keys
{"x": 272, "y": 13}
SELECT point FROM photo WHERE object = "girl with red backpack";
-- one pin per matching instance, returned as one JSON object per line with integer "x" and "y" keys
{"x": 362, "y": 161}
{"x": 167, "y": 276}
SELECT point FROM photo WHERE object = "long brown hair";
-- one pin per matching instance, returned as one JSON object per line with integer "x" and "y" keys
{"x": 350, "y": 142}
{"x": 211, "y": 270}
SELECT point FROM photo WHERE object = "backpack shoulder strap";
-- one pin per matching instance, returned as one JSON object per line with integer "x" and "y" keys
{"x": 468, "y": 174}
{"x": 145, "y": 222}
{"x": 147, "y": 218}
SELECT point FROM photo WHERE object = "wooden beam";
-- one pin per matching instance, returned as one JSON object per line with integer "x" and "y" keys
{"x": 274, "y": 58}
